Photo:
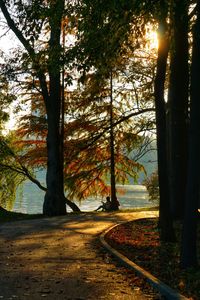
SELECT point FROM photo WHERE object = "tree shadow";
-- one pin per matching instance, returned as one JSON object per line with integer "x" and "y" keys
{"x": 57, "y": 258}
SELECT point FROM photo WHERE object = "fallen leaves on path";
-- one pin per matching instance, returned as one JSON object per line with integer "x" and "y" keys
{"x": 139, "y": 241}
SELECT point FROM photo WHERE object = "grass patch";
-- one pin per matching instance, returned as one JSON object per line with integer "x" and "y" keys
{"x": 124, "y": 210}
{"x": 7, "y": 216}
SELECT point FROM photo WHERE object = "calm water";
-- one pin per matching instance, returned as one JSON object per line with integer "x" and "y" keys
{"x": 30, "y": 199}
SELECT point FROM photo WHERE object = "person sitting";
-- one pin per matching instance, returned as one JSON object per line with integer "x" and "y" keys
{"x": 106, "y": 206}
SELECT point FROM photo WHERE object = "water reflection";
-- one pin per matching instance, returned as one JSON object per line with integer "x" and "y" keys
{"x": 30, "y": 199}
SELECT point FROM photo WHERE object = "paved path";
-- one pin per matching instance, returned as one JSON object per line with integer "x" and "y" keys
{"x": 57, "y": 258}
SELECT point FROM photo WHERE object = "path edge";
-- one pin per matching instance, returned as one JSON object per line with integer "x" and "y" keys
{"x": 160, "y": 286}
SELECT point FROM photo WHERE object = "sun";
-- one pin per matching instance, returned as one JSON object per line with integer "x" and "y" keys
{"x": 152, "y": 39}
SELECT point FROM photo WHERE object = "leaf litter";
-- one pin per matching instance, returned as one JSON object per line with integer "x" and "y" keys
{"x": 140, "y": 241}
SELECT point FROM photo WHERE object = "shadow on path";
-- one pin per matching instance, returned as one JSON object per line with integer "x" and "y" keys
{"x": 57, "y": 258}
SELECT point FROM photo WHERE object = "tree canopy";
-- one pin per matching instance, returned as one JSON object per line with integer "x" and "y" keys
{"x": 95, "y": 89}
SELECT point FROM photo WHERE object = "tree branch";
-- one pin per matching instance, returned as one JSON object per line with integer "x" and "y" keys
{"x": 28, "y": 48}
{"x": 122, "y": 119}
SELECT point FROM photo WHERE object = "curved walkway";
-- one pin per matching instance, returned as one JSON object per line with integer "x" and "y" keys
{"x": 56, "y": 258}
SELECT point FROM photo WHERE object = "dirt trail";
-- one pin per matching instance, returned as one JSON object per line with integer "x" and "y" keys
{"x": 57, "y": 258}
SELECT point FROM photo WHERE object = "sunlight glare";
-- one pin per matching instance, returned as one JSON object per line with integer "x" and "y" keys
{"x": 152, "y": 38}
{"x": 10, "y": 125}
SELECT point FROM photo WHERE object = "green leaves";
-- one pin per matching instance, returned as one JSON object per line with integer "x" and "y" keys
{"x": 6, "y": 98}
{"x": 11, "y": 174}
{"x": 152, "y": 186}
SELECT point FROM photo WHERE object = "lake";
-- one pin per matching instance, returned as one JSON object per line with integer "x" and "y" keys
{"x": 30, "y": 199}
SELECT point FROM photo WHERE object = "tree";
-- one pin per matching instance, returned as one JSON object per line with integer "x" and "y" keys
{"x": 86, "y": 136}
{"x": 9, "y": 179}
{"x": 18, "y": 163}
{"x": 177, "y": 111}
{"x": 165, "y": 220}
{"x": 114, "y": 204}
{"x": 98, "y": 48}
{"x": 86, "y": 129}
{"x": 189, "y": 238}
{"x": 27, "y": 27}
{"x": 106, "y": 34}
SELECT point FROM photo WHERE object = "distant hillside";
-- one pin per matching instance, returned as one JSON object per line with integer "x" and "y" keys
{"x": 148, "y": 158}
{"x": 149, "y": 161}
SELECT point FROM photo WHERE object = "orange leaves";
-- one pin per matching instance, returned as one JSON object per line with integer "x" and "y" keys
{"x": 87, "y": 129}
{"x": 88, "y": 173}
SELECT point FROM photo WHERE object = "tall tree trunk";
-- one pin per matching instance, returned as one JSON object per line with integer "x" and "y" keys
{"x": 189, "y": 247}
{"x": 114, "y": 204}
{"x": 54, "y": 202}
{"x": 165, "y": 220}
{"x": 112, "y": 172}
{"x": 178, "y": 106}
{"x": 62, "y": 111}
